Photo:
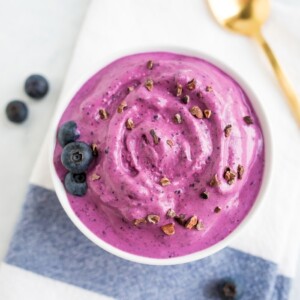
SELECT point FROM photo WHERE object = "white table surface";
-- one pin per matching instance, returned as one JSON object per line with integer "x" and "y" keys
{"x": 35, "y": 37}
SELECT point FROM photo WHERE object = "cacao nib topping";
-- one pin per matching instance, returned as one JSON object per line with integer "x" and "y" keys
{"x": 191, "y": 222}
{"x": 168, "y": 229}
{"x": 191, "y": 85}
{"x": 156, "y": 139}
{"x": 227, "y": 130}
{"x": 248, "y": 120}
{"x": 204, "y": 195}
{"x": 178, "y": 89}
{"x": 214, "y": 181}
{"x": 240, "y": 171}
{"x": 149, "y": 64}
{"x": 185, "y": 99}
{"x": 103, "y": 114}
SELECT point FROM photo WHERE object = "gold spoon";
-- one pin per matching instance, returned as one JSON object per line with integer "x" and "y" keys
{"x": 246, "y": 17}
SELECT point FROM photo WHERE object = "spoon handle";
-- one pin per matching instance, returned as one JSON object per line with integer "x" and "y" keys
{"x": 283, "y": 81}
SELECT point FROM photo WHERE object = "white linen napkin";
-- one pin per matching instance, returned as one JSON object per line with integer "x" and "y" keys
{"x": 114, "y": 26}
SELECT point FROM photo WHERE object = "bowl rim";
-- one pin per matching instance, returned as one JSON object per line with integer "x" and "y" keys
{"x": 266, "y": 179}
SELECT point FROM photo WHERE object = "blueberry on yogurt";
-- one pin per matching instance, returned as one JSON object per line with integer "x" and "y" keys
{"x": 76, "y": 157}
{"x": 68, "y": 133}
{"x": 75, "y": 184}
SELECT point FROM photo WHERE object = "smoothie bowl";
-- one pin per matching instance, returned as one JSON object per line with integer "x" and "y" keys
{"x": 161, "y": 157}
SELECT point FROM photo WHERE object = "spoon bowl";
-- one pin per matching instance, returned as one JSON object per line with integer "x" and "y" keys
{"x": 243, "y": 16}
{"x": 247, "y": 17}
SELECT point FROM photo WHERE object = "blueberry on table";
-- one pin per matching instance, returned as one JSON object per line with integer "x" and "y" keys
{"x": 76, "y": 157}
{"x": 36, "y": 86}
{"x": 17, "y": 111}
{"x": 75, "y": 184}
{"x": 67, "y": 133}
{"x": 230, "y": 289}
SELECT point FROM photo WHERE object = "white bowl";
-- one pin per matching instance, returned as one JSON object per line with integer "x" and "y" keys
{"x": 62, "y": 196}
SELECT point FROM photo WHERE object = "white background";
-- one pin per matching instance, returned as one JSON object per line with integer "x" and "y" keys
{"x": 35, "y": 37}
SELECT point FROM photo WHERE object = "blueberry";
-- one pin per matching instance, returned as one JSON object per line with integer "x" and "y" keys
{"x": 16, "y": 111}
{"x": 36, "y": 86}
{"x": 67, "y": 133}
{"x": 76, "y": 157}
{"x": 230, "y": 289}
{"x": 75, "y": 184}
